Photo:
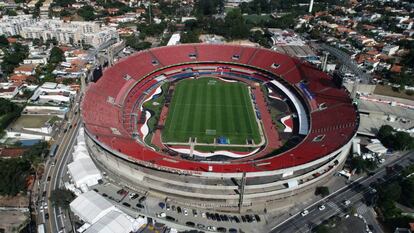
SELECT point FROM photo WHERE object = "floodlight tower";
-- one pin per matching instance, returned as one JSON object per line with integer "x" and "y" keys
{"x": 310, "y": 6}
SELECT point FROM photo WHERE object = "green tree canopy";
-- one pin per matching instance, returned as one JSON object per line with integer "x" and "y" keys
{"x": 56, "y": 55}
{"x": 189, "y": 37}
{"x": 13, "y": 173}
{"x": 87, "y": 13}
{"x": 208, "y": 7}
{"x": 14, "y": 55}
{"x": 322, "y": 190}
{"x": 395, "y": 140}
{"x": 236, "y": 25}
{"x": 4, "y": 43}
{"x": 61, "y": 198}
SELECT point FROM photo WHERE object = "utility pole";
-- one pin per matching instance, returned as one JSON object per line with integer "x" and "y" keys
{"x": 311, "y": 6}
{"x": 325, "y": 61}
{"x": 241, "y": 191}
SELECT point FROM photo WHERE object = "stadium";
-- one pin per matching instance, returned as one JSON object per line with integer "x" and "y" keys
{"x": 222, "y": 127}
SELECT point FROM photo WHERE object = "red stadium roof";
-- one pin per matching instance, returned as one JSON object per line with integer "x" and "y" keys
{"x": 108, "y": 103}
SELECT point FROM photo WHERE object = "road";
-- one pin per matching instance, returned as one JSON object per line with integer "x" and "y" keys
{"x": 334, "y": 203}
{"x": 348, "y": 62}
{"x": 54, "y": 168}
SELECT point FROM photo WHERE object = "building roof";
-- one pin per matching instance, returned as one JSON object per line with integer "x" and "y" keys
{"x": 25, "y": 68}
{"x": 90, "y": 207}
{"x": 83, "y": 170}
{"x": 20, "y": 78}
{"x": 112, "y": 222}
{"x": 12, "y": 152}
{"x": 396, "y": 68}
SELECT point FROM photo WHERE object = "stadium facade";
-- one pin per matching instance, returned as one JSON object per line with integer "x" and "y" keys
{"x": 325, "y": 122}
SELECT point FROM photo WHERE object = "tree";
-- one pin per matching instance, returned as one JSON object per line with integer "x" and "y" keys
{"x": 11, "y": 12}
{"x": 407, "y": 192}
{"x": 208, "y": 7}
{"x": 395, "y": 140}
{"x": 321, "y": 229}
{"x": 403, "y": 141}
{"x": 87, "y": 13}
{"x": 13, "y": 57}
{"x": 322, "y": 190}
{"x": 384, "y": 132}
{"x": 56, "y": 55}
{"x": 135, "y": 43}
{"x": 235, "y": 25}
{"x": 64, "y": 3}
{"x": 13, "y": 173}
{"x": 4, "y": 43}
{"x": 61, "y": 198}
{"x": 189, "y": 37}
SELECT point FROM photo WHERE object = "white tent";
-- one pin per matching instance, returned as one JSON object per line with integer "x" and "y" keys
{"x": 79, "y": 155}
{"x": 84, "y": 172}
{"x": 90, "y": 207}
{"x": 112, "y": 222}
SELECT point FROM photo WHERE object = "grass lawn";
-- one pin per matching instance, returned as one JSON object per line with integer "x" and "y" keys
{"x": 226, "y": 148}
{"x": 208, "y": 108}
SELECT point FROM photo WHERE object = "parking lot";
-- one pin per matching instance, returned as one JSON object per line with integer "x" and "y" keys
{"x": 159, "y": 210}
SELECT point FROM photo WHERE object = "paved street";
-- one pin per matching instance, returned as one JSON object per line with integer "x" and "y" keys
{"x": 335, "y": 203}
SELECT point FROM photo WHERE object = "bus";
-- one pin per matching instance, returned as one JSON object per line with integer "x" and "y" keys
{"x": 53, "y": 150}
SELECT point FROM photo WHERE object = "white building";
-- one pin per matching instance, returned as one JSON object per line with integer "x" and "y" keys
{"x": 74, "y": 32}
{"x": 12, "y": 25}
{"x": 8, "y": 90}
{"x": 53, "y": 93}
{"x": 390, "y": 49}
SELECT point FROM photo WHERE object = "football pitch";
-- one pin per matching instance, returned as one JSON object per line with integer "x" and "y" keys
{"x": 207, "y": 108}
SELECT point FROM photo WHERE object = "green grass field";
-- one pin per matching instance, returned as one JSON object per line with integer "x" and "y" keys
{"x": 208, "y": 108}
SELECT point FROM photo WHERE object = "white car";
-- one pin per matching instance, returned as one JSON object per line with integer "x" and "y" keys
{"x": 161, "y": 215}
{"x": 304, "y": 213}
{"x": 347, "y": 202}
{"x": 211, "y": 228}
{"x": 322, "y": 207}
{"x": 185, "y": 211}
{"x": 131, "y": 195}
{"x": 203, "y": 215}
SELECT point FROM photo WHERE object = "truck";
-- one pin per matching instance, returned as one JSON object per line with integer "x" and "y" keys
{"x": 41, "y": 228}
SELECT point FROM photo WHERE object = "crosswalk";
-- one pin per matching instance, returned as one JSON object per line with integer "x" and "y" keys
{"x": 333, "y": 206}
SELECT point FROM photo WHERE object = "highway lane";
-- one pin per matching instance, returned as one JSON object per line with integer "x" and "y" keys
{"x": 334, "y": 203}
{"x": 66, "y": 144}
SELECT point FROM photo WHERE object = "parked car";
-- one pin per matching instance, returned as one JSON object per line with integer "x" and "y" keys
{"x": 161, "y": 215}
{"x": 142, "y": 199}
{"x": 304, "y": 213}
